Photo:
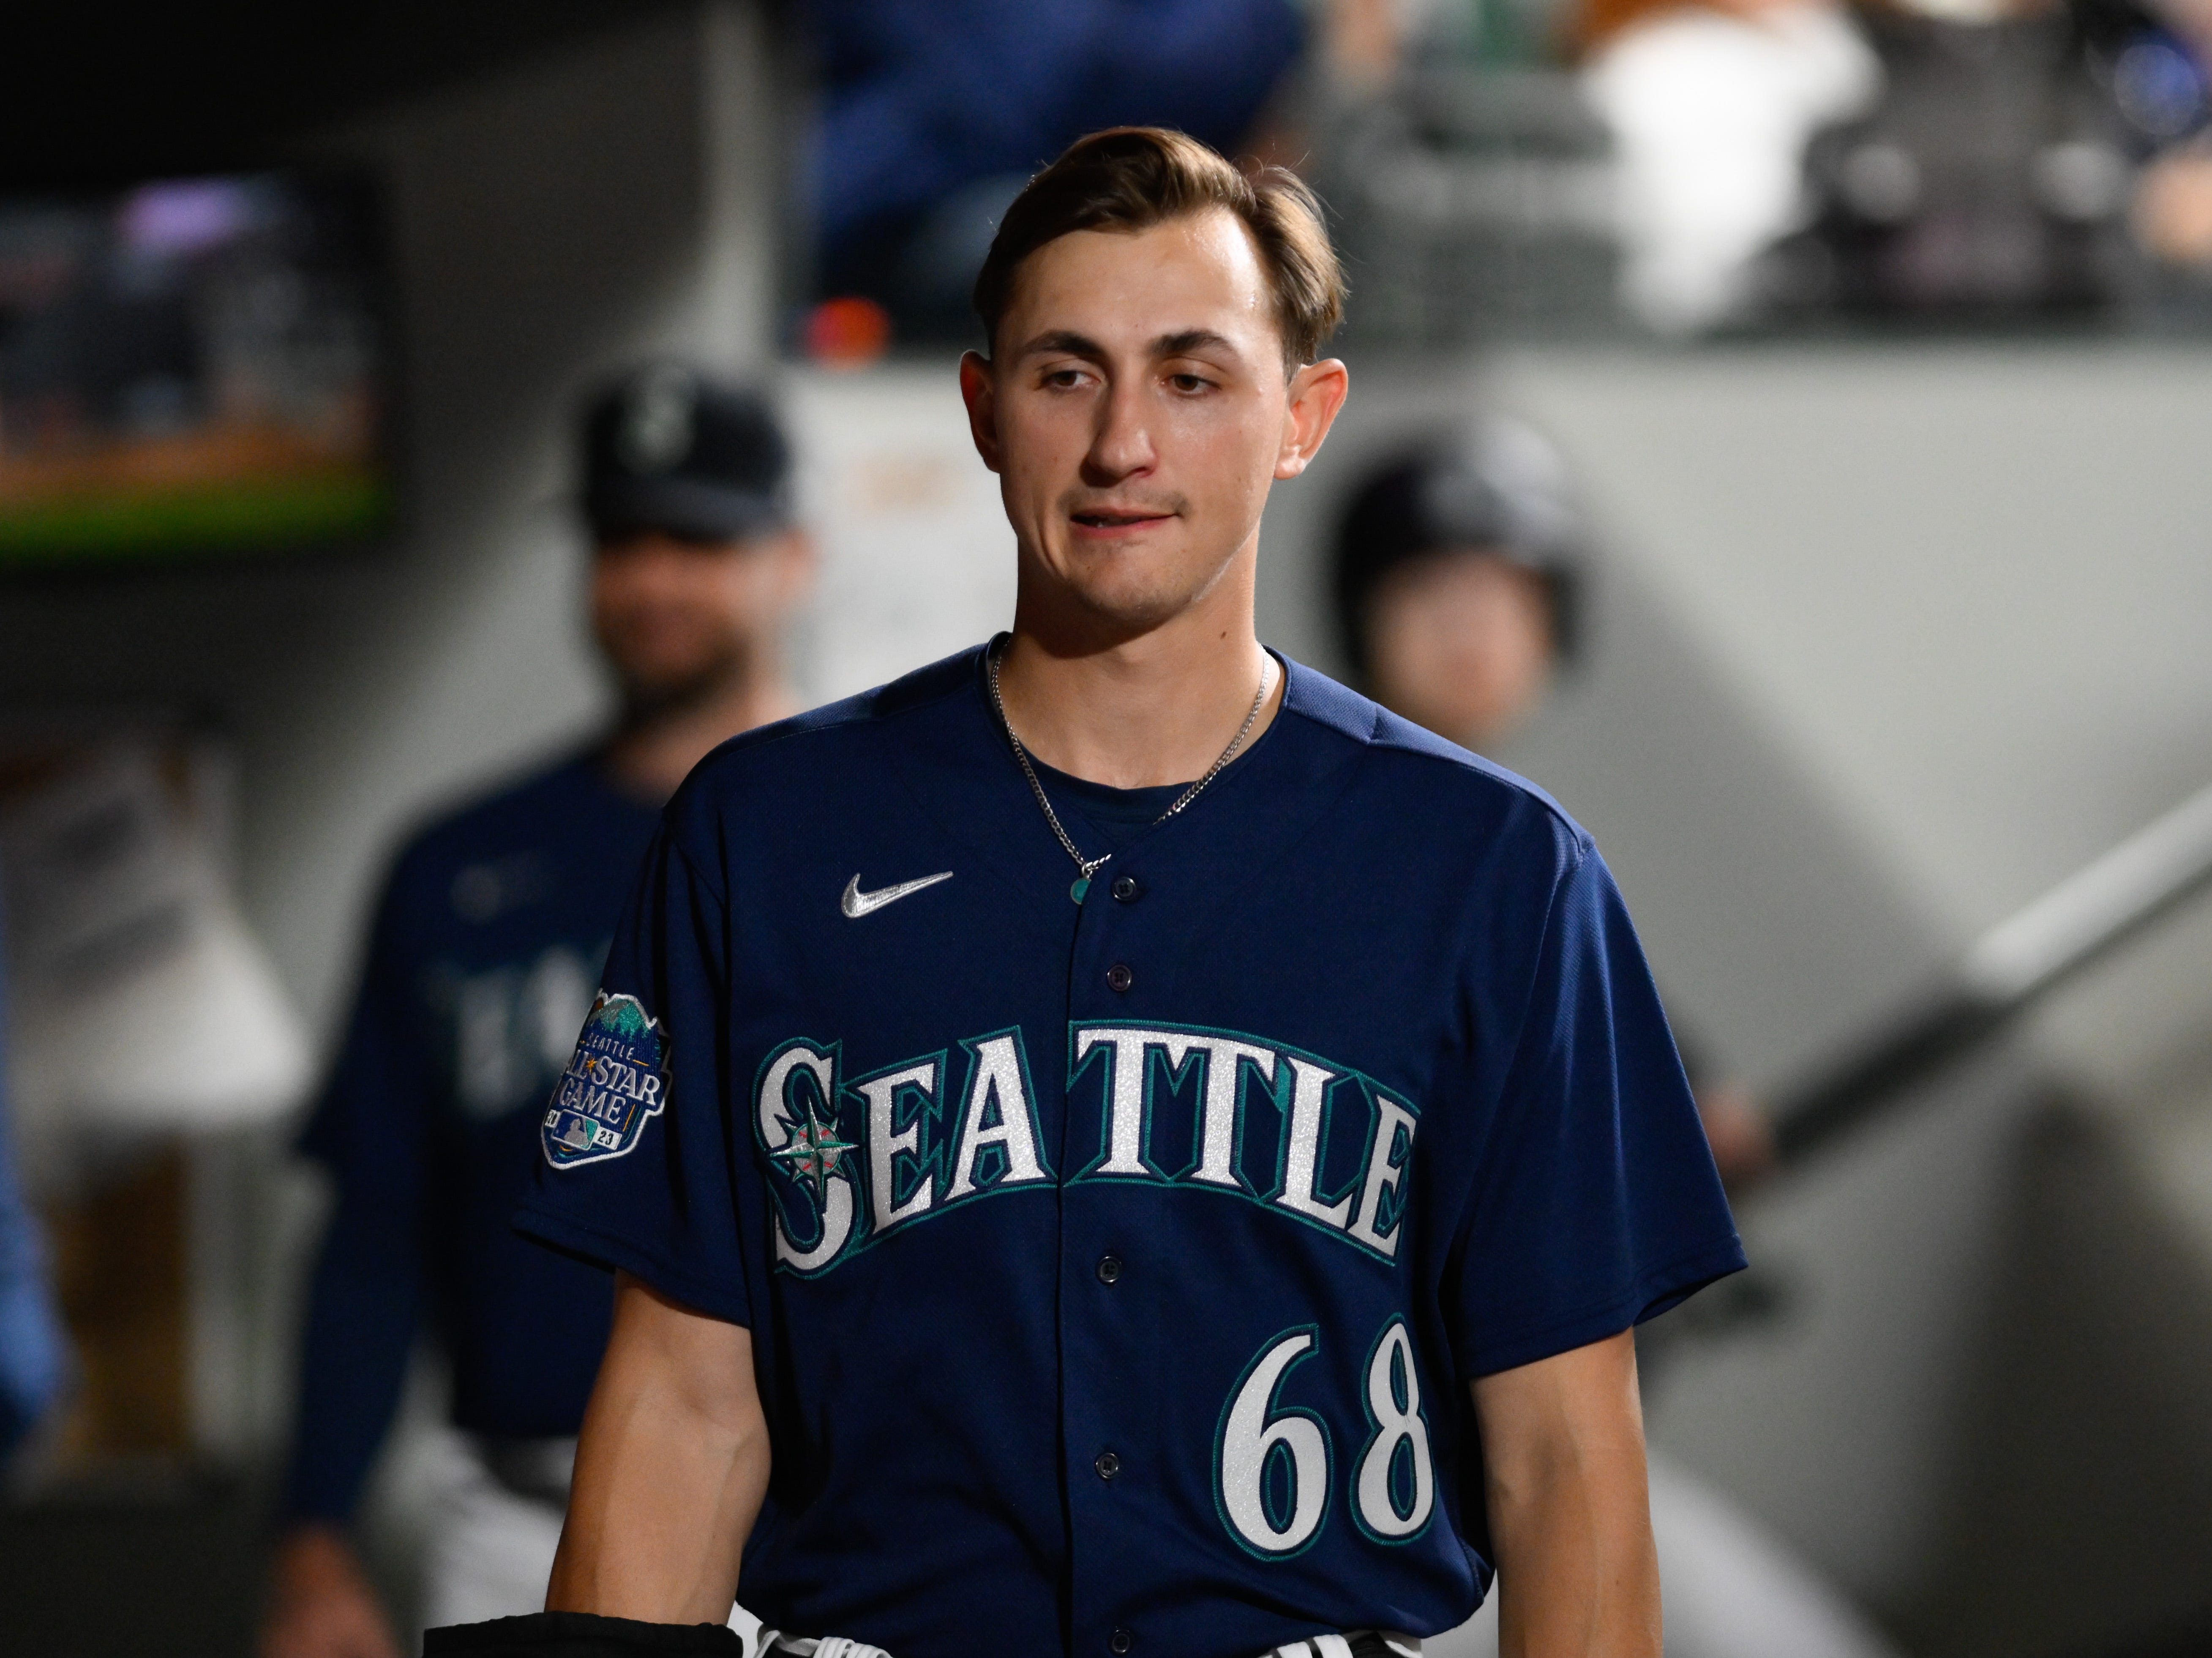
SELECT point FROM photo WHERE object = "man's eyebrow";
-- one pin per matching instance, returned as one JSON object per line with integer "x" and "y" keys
{"x": 1062, "y": 342}
{"x": 1193, "y": 340}
{"x": 1065, "y": 342}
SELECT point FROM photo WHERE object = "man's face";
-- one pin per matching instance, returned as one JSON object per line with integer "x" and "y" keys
{"x": 678, "y": 619}
{"x": 1461, "y": 642}
{"x": 1136, "y": 411}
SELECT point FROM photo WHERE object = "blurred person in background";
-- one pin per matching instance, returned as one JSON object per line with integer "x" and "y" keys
{"x": 2154, "y": 56}
{"x": 485, "y": 950}
{"x": 32, "y": 1350}
{"x": 935, "y": 112}
{"x": 1712, "y": 104}
{"x": 1461, "y": 577}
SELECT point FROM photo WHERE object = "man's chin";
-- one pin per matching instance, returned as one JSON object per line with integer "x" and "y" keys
{"x": 649, "y": 697}
{"x": 1131, "y": 603}
{"x": 1114, "y": 617}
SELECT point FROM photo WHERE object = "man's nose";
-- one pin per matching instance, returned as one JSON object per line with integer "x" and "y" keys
{"x": 1122, "y": 445}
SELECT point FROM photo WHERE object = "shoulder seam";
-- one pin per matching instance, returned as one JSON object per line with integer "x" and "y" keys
{"x": 1374, "y": 740}
{"x": 867, "y": 711}
{"x": 700, "y": 874}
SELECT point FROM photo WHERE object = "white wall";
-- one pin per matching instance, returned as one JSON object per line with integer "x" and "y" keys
{"x": 1971, "y": 586}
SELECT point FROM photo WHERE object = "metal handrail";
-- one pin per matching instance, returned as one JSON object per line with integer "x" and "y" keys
{"x": 2011, "y": 967}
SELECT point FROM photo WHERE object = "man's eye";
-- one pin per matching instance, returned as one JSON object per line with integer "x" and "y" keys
{"x": 1064, "y": 377}
{"x": 1189, "y": 382}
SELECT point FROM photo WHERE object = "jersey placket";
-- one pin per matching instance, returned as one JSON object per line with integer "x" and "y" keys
{"x": 1117, "y": 970}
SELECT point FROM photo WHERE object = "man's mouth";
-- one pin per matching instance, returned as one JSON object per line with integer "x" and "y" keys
{"x": 1117, "y": 517}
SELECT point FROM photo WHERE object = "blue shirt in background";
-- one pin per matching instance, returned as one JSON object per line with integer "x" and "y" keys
{"x": 487, "y": 945}
{"x": 33, "y": 1351}
{"x": 921, "y": 97}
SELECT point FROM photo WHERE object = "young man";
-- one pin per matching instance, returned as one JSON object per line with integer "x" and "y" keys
{"x": 1094, "y": 1135}
{"x": 487, "y": 944}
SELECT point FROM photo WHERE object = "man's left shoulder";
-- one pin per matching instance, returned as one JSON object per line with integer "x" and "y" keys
{"x": 1429, "y": 788}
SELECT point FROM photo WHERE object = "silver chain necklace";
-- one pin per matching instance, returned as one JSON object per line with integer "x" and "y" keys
{"x": 1088, "y": 868}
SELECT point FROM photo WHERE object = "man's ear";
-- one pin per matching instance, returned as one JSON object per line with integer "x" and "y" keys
{"x": 1316, "y": 392}
{"x": 979, "y": 390}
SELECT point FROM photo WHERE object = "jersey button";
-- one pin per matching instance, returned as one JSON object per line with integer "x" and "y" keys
{"x": 1108, "y": 1464}
{"x": 1109, "y": 1269}
{"x": 1127, "y": 890}
{"x": 1120, "y": 1641}
{"x": 1118, "y": 976}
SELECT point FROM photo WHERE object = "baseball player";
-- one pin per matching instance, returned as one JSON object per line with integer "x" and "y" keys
{"x": 1114, "y": 1142}
{"x": 486, "y": 943}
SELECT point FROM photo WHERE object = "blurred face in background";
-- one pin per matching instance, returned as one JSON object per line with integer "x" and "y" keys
{"x": 682, "y": 621}
{"x": 1460, "y": 641}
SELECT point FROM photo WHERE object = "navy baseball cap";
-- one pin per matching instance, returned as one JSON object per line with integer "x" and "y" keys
{"x": 665, "y": 448}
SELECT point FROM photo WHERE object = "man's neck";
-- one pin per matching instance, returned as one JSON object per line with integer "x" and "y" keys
{"x": 1141, "y": 712}
{"x": 651, "y": 752}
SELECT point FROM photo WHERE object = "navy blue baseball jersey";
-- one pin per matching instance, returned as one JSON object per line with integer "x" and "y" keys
{"x": 486, "y": 947}
{"x": 1116, "y": 1269}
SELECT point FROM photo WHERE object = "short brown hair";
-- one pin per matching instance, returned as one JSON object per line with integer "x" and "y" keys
{"x": 1130, "y": 178}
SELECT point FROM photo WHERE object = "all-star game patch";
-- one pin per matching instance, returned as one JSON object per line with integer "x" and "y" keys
{"x": 616, "y": 1082}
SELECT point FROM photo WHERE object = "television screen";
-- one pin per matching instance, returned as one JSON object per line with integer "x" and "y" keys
{"x": 192, "y": 366}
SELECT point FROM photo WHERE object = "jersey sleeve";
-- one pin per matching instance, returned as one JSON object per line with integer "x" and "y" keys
{"x": 370, "y": 1130}
{"x": 638, "y": 1168}
{"x": 1595, "y": 1203}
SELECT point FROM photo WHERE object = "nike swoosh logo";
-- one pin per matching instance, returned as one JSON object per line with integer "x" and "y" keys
{"x": 856, "y": 903}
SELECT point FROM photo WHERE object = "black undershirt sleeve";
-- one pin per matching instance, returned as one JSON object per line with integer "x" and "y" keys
{"x": 580, "y": 1635}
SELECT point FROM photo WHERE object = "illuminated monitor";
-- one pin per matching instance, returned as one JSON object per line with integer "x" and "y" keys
{"x": 193, "y": 367}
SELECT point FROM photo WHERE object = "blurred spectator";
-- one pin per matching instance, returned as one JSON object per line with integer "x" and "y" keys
{"x": 2173, "y": 209}
{"x": 1470, "y": 186}
{"x": 1459, "y": 576}
{"x": 2155, "y": 56}
{"x": 1990, "y": 181}
{"x": 934, "y": 113}
{"x": 1365, "y": 46}
{"x": 486, "y": 948}
{"x": 31, "y": 1349}
{"x": 1712, "y": 106}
